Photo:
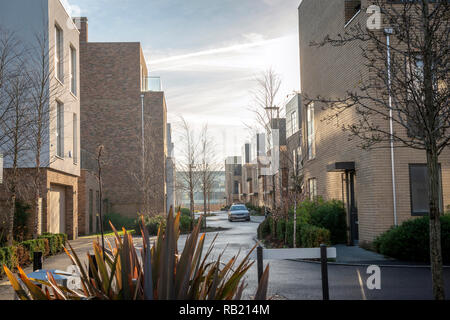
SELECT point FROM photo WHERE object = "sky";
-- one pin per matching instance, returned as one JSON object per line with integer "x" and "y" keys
{"x": 208, "y": 54}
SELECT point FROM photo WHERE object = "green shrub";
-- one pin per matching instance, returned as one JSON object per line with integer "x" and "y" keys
{"x": 21, "y": 216}
{"x": 264, "y": 228}
{"x": 37, "y": 245}
{"x": 55, "y": 241}
{"x": 312, "y": 236}
{"x": 281, "y": 229}
{"x": 118, "y": 222}
{"x": 6, "y": 255}
{"x": 185, "y": 223}
{"x": 290, "y": 234}
{"x": 331, "y": 215}
{"x": 151, "y": 223}
{"x": 22, "y": 253}
{"x": 185, "y": 212}
{"x": 410, "y": 240}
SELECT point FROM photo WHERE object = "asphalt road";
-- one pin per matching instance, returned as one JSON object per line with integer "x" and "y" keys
{"x": 295, "y": 280}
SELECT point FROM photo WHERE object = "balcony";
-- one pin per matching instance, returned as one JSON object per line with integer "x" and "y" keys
{"x": 151, "y": 84}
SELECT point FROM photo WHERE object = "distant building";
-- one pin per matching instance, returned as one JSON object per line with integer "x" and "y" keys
{"x": 215, "y": 198}
{"x": 233, "y": 177}
{"x": 294, "y": 156}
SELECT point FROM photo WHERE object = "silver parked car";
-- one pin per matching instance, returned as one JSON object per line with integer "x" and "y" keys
{"x": 238, "y": 212}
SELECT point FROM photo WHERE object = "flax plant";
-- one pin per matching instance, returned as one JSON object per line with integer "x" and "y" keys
{"x": 157, "y": 272}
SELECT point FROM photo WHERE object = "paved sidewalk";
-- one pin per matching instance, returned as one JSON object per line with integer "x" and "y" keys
{"x": 355, "y": 254}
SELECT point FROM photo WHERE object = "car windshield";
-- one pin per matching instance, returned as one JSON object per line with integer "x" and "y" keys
{"x": 237, "y": 208}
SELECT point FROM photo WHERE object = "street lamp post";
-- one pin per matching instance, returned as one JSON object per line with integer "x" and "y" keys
{"x": 389, "y": 32}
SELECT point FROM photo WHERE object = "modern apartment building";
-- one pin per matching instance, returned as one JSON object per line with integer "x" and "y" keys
{"x": 294, "y": 156}
{"x": 233, "y": 179}
{"x": 48, "y": 21}
{"x": 123, "y": 110}
{"x": 335, "y": 167}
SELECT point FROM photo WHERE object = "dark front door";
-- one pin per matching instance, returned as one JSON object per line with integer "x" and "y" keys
{"x": 351, "y": 208}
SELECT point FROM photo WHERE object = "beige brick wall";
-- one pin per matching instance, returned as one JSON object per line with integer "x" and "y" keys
{"x": 87, "y": 183}
{"x": 329, "y": 71}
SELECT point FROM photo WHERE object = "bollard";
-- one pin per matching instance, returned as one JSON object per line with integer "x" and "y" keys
{"x": 91, "y": 273}
{"x": 37, "y": 260}
{"x": 259, "y": 255}
{"x": 324, "y": 267}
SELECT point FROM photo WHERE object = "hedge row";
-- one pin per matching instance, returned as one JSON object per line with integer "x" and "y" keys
{"x": 153, "y": 223}
{"x": 411, "y": 240}
{"x": 22, "y": 253}
{"x": 307, "y": 235}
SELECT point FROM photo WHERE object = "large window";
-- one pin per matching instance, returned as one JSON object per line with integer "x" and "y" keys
{"x": 75, "y": 138}
{"x": 311, "y": 132}
{"x": 60, "y": 130}
{"x": 59, "y": 73}
{"x": 418, "y": 180}
{"x": 73, "y": 70}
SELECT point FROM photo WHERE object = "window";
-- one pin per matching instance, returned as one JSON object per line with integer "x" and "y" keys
{"x": 73, "y": 70}
{"x": 236, "y": 187}
{"x": 418, "y": 181}
{"x": 312, "y": 185}
{"x": 59, "y": 73}
{"x": 75, "y": 138}
{"x": 311, "y": 132}
{"x": 60, "y": 130}
{"x": 352, "y": 8}
{"x": 294, "y": 122}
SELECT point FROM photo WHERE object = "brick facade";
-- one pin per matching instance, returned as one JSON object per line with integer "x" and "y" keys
{"x": 112, "y": 76}
{"x": 330, "y": 71}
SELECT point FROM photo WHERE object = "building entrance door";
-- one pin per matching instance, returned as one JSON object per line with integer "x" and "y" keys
{"x": 352, "y": 210}
{"x": 57, "y": 210}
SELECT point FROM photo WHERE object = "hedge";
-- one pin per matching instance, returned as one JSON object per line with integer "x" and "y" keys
{"x": 308, "y": 236}
{"x": 118, "y": 221}
{"x": 312, "y": 236}
{"x": 22, "y": 253}
{"x": 153, "y": 223}
{"x": 325, "y": 214}
{"x": 411, "y": 241}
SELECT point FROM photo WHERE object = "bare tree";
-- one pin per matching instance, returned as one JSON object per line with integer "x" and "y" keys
{"x": 208, "y": 166}
{"x": 408, "y": 85}
{"x": 42, "y": 92}
{"x": 14, "y": 126}
{"x": 267, "y": 112}
{"x": 10, "y": 51}
{"x": 187, "y": 173}
{"x": 143, "y": 172}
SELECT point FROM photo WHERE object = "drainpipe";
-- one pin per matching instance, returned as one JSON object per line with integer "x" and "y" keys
{"x": 143, "y": 157}
{"x": 388, "y": 32}
{"x": 143, "y": 143}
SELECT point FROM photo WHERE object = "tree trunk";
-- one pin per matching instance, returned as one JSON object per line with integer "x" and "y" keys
{"x": 295, "y": 224}
{"x": 435, "y": 225}
{"x": 11, "y": 220}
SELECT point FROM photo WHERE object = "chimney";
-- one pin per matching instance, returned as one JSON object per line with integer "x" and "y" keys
{"x": 82, "y": 25}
